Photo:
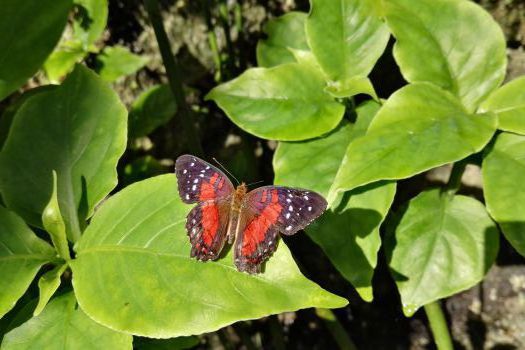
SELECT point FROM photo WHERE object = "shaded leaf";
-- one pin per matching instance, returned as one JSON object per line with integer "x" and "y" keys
{"x": 346, "y": 37}
{"x": 62, "y": 325}
{"x": 153, "y": 108}
{"x": 503, "y": 169}
{"x": 463, "y": 48}
{"x": 141, "y": 343}
{"x": 117, "y": 61}
{"x": 48, "y": 284}
{"x": 84, "y": 150}
{"x": 407, "y": 136}
{"x": 441, "y": 246}
{"x": 90, "y": 20}
{"x": 284, "y": 32}
{"x": 25, "y": 44}
{"x": 22, "y": 254}
{"x": 508, "y": 102}
{"x": 137, "y": 237}
{"x": 348, "y": 234}
{"x": 287, "y": 102}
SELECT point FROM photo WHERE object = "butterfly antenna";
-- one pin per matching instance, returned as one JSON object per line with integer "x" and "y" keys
{"x": 256, "y": 182}
{"x": 226, "y": 170}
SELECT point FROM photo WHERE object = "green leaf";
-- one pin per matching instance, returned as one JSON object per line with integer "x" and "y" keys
{"x": 48, "y": 284}
{"x": 153, "y": 108}
{"x": 346, "y": 37}
{"x": 54, "y": 223}
{"x": 84, "y": 150}
{"x": 62, "y": 61}
{"x": 140, "y": 343}
{"x": 117, "y": 61}
{"x": 283, "y": 32}
{"x": 24, "y": 43}
{"x": 137, "y": 238}
{"x": 453, "y": 44}
{"x": 90, "y": 20}
{"x": 287, "y": 102}
{"x": 62, "y": 325}
{"x": 351, "y": 87}
{"x": 508, "y": 102}
{"x": 503, "y": 169}
{"x": 442, "y": 245}
{"x": 348, "y": 234}
{"x": 420, "y": 127}
{"x": 22, "y": 254}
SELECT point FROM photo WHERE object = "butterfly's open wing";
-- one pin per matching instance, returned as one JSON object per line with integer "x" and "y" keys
{"x": 207, "y": 222}
{"x": 200, "y": 181}
{"x": 265, "y": 212}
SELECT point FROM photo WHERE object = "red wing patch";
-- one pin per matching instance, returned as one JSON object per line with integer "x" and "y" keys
{"x": 267, "y": 211}
{"x": 200, "y": 181}
{"x": 206, "y": 225}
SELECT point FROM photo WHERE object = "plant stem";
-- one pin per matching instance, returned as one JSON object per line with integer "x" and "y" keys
{"x": 454, "y": 181}
{"x": 438, "y": 325}
{"x": 184, "y": 114}
{"x": 336, "y": 329}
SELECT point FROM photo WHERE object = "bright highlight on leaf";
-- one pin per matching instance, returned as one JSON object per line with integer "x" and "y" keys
{"x": 287, "y": 102}
{"x": 418, "y": 128}
{"x": 441, "y": 246}
{"x": 503, "y": 170}
{"x": 462, "y": 47}
{"x": 145, "y": 243}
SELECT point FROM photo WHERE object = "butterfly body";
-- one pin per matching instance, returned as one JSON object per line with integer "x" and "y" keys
{"x": 253, "y": 220}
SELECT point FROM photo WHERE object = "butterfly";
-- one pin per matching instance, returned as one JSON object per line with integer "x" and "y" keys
{"x": 253, "y": 220}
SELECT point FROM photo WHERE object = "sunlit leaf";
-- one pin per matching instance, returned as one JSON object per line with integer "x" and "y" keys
{"x": 48, "y": 284}
{"x": 117, "y": 61}
{"x": 442, "y": 245}
{"x": 420, "y": 127}
{"x": 286, "y": 102}
{"x": 137, "y": 238}
{"x": 22, "y": 254}
{"x": 503, "y": 169}
{"x": 62, "y": 325}
{"x": 453, "y": 44}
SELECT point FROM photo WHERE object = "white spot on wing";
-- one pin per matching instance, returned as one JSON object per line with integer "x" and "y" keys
{"x": 201, "y": 175}
{"x": 309, "y": 208}
{"x": 195, "y": 181}
{"x": 194, "y": 187}
{"x": 305, "y": 198}
{"x": 185, "y": 171}
{"x": 288, "y": 228}
{"x": 192, "y": 164}
{"x": 290, "y": 208}
{"x": 288, "y": 200}
{"x": 187, "y": 196}
{"x": 287, "y": 215}
{"x": 207, "y": 167}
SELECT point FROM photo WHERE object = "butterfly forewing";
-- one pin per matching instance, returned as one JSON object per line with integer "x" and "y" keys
{"x": 206, "y": 224}
{"x": 200, "y": 181}
{"x": 266, "y": 211}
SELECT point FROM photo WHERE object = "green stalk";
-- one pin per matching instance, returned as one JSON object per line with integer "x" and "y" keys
{"x": 336, "y": 329}
{"x": 184, "y": 114}
{"x": 438, "y": 325}
{"x": 454, "y": 181}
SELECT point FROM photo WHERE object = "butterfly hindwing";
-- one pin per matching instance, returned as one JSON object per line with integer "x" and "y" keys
{"x": 200, "y": 181}
{"x": 266, "y": 211}
{"x": 206, "y": 224}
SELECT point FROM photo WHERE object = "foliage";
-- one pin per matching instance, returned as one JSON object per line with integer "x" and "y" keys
{"x": 120, "y": 266}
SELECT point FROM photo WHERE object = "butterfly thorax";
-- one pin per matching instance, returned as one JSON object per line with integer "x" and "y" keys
{"x": 238, "y": 196}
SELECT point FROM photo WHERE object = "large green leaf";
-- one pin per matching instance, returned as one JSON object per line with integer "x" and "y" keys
{"x": 151, "y": 109}
{"x": 349, "y": 234}
{"x": 346, "y": 37}
{"x": 62, "y": 325}
{"x": 134, "y": 273}
{"x": 420, "y": 127}
{"x": 283, "y": 32}
{"x": 77, "y": 129}
{"x": 287, "y": 102}
{"x": 508, "y": 102}
{"x": 503, "y": 169}
{"x": 29, "y": 30}
{"x": 22, "y": 254}
{"x": 117, "y": 61}
{"x": 454, "y": 44}
{"x": 442, "y": 245}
